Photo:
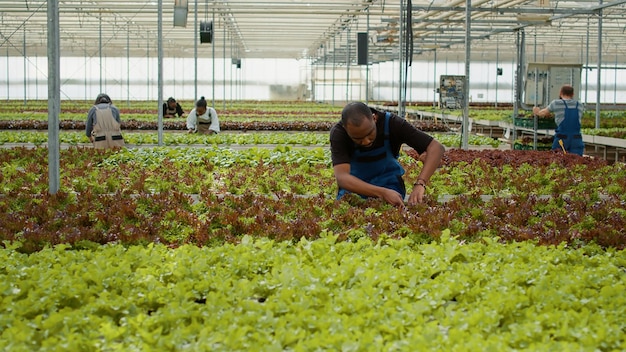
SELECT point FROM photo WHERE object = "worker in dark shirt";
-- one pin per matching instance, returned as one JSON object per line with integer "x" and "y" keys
{"x": 365, "y": 146}
{"x": 172, "y": 108}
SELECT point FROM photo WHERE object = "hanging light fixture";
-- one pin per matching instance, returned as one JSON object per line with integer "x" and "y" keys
{"x": 181, "y": 8}
{"x": 206, "y": 26}
{"x": 206, "y": 31}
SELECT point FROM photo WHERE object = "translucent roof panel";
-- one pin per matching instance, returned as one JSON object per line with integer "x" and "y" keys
{"x": 324, "y": 31}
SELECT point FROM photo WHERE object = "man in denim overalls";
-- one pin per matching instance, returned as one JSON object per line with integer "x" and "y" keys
{"x": 568, "y": 114}
{"x": 365, "y": 146}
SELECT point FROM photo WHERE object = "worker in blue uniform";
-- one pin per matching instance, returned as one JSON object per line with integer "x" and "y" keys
{"x": 365, "y": 146}
{"x": 568, "y": 114}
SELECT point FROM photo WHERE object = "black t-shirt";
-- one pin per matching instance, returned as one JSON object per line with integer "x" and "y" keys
{"x": 178, "y": 110}
{"x": 400, "y": 132}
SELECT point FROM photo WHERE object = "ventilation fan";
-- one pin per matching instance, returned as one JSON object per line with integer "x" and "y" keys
{"x": 206, "y": 31}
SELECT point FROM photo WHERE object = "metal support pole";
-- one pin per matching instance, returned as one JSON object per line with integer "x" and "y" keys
{"x": 213, "y": 62}
{"x": 36, "y": 77}
{"x": 160, "y": 68}
{"x": 435, "y": 79}
{"x": 224, "y": 68}
{"x": 615, "y": 77}
{"x": 466, "y": 84}
{"x": 324, "y": 75}
{"x": 367, "y": 64}
{"x": 497, "y": 62}
{"x": 348, "y": 87}
{"x": 393, "y": 82}
{"x": 100, "y": 48}
{"x": 8, "y": 71}
{"x": 25, "y": 64}
{"x": 536, "y": 103}
{"x": 334, "y": 65}
{"x": 231, "y": 72}
{"x": 599, "y": 84}
{"x": 86, "y": 75}
{"x": 401, "y": 39}
{"x": 195, "y": 52}
{"x": 148, "y": 64}
{"x": 313, "y": 78}
{"x": 128, "y": 64}
{"x": 587, "y": 63}
{"x": 54, "y": 100}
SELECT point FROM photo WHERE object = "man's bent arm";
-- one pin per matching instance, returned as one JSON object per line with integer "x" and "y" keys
{"x": 541, "y": 112}
{"x": 434, "y": 154}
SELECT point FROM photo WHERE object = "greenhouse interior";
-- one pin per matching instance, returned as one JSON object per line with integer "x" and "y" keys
{"x": 313, "y": 175}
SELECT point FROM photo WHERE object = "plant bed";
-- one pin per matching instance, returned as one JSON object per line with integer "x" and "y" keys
{"x": 175, "y": 248}
{"x": 143, "y": 138}
{"x": 145, "y": 195}
{"x": 524, "y": 146}
{"x": 542, "y": 123}
{"x": 306, "y": 295}
{"x": 528, "y": 143}
{"x": 180, "y": 125}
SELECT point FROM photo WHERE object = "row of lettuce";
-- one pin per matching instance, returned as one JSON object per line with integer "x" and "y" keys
{"x": 214, "y": 195}
{"x": 315, "y": 295}
{"x": 181, "y": 138}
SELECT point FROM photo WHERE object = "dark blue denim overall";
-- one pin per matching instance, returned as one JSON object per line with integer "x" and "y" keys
{"x": 378, "y": 166}
{"x": 569, "y": 132}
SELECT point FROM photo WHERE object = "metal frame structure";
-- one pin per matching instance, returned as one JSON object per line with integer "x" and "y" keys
{"x": 324, "y": 30}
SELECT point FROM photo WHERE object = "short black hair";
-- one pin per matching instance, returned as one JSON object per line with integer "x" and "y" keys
{"x": 103, "y": 98}
{"x": 201, "y": 103}
{"x": 355, "y": 113}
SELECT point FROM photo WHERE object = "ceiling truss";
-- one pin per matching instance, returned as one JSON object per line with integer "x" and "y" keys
{"x": 323, "y": 31}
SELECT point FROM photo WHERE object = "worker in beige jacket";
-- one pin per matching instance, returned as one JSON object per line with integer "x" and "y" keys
{"x": 103, "y": 126}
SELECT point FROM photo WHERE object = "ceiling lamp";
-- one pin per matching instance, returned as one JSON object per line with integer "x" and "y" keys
{"x": 181, "y": 8}
{"x": 206, "y": 31}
